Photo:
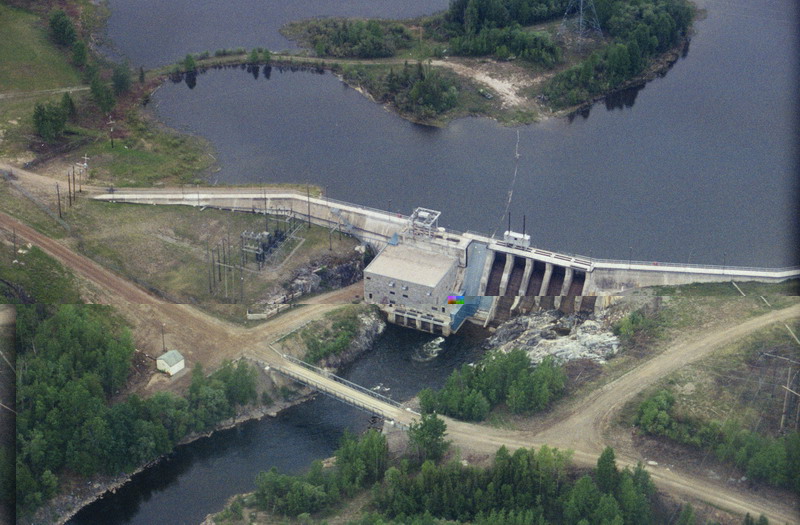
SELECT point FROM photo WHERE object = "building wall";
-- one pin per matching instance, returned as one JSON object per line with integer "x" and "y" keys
{"x": 177, "y": 367}
{"x": 408, "y": 293}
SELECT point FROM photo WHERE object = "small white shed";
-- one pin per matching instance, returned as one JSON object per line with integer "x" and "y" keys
{"x": 172, "y": 362}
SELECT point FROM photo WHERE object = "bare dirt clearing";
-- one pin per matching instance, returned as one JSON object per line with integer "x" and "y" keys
{"x": 506, "y": 80}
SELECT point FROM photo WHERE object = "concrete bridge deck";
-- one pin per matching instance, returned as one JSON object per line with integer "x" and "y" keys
{"x": 336, "y": 387}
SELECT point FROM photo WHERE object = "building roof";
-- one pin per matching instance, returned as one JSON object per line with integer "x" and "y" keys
{"x": 409, "y": 264}
{"x": 171, "y": 358}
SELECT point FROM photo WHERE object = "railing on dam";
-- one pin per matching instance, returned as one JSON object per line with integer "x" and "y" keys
{"x": 625, "y": 264}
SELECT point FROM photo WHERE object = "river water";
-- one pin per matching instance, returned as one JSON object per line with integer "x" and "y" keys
{"x": 198, "y": 478}
{"x": 700, "y": 166}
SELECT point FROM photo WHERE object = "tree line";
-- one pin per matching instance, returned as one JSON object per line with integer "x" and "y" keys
{"x": 354, "y": 38}
{"x": 417, "y": 90}
{"x": 494, "y": 27}
{"x": 774, "y": 460}
{"x": 471, "y": 16}
{"x": 71, "y": 360}
{"x": 472, "y": 391}
{"x": 50, "y": 119}
{"x": 524, "y": 487}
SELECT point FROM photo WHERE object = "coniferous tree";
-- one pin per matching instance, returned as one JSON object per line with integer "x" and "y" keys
{"x": 61, "y": 28}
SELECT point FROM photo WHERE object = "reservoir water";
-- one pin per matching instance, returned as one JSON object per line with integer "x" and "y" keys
{"x": 699, "y": 166}
{"x": 198, "y": 478}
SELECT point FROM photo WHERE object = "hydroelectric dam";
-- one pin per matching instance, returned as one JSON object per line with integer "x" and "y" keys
{"x": 434, "y": 279}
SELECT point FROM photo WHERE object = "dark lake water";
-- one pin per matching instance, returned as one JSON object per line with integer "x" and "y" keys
{"x": 201, "y": 476}
{"x": 700, "y": 165}
{"x": 157, "y": 32}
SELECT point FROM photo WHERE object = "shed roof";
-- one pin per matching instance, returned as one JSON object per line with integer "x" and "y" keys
{"x": 412, "y": 265}
{"x": 171, "y": 358}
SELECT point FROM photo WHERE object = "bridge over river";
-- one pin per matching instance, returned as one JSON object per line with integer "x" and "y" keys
{"x": 334, "y": 386}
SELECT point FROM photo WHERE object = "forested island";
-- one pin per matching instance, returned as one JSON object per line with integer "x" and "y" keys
{"x": 566, "y": 68}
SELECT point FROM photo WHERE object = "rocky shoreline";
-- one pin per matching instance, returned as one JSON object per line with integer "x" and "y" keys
{"x": 63, "y": 507}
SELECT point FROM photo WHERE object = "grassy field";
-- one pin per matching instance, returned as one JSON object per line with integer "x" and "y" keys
{"x": 148, "y": 153}
{"x": 165, "y": 248}
{"x": 741, "y": 382}
{"x": 676, "y": 317}
{"x": 28, "y": 62}
{"x": 38, "y": 275}
{"x": 26, "y": 54}
{"x": 17, "y": 205}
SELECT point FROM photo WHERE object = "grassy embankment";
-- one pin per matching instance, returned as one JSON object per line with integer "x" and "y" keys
{"x": 144, "y": 151}
{"x": 739, "y": 382}
{"x": 730, "y": 412}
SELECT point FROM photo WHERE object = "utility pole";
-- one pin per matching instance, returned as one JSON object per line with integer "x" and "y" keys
{"x": 308, "y": 199}
{"x": 163, "y": 340}
{"x": 74, "y": 190}
{"x": 210, "y": 269}
{"x": 786, "y": 396}
{"x": 219, "y": 267}
{"x": 111, "y": 133}
{"x": 58, "y": 198}
{"x": 69, "y": 190}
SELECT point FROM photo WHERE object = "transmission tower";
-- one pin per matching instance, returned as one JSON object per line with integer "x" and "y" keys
{"x": 586, "y": 22}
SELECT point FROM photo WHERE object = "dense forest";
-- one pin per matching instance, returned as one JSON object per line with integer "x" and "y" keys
{"x": 774, "y": 460}
{"x": 528, "y": 486}
{"x": 640, "y": 30}
{"x": 471, "y": 392}
{"x": 495, "y": 28}
{"x": 71, "y": 361}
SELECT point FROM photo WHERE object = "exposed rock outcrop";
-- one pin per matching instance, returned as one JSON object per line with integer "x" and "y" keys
{"x": 371, "y": 326}
{"x": 565, "y": 337}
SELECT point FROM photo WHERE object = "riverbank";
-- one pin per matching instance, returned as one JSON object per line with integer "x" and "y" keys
{"x": 77, "y": 492}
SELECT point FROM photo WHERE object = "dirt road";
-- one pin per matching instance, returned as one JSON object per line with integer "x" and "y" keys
{"x": 56, "y": 91}
{"x": 199, "y": 336}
